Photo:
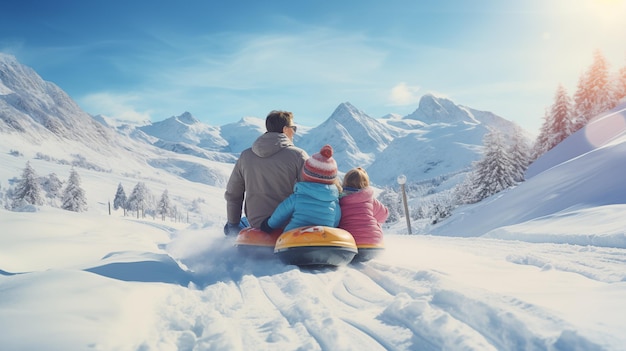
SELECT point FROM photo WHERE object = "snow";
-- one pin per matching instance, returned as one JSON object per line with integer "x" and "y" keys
{"x": 109, "y": 282}
{"x": 554, "y": 279}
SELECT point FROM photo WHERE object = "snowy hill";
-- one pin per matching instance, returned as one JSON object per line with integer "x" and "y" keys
{"x": 581, "y": 175}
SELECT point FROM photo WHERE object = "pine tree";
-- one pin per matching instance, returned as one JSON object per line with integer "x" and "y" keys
{"x": 164, "y": 206}
{"x": 542, "y": 142}
{"x": 558, "y": 123}
{"x": 74, "y": 195}
{"x": 561, "y": 114}
{"x": 391, "y": 199}
{"x": 28, "y": 190}
{"x": 52, "y": 185}
{"x": 464, "y": 191}
{"x": 594, "y": 92}
{"x": 494, "y": 172}
{"x": 519, "y": 151}
{"x": 120, "y": 200}
{"x": 139, "y": 199}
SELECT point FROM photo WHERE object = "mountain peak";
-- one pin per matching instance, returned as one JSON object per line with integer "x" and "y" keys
{"x": 346, "y": 111}
{"x": 6, "y": 58}
{"x": 439, "y": 109}
{"x": 187, "y": 118}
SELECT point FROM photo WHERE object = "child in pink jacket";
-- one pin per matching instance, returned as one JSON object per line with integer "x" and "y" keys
{"x": 361, "y": 214}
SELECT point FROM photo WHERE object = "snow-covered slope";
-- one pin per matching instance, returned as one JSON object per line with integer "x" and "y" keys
{"x": 604, "y": 129}
{"x": 584, "y": 171}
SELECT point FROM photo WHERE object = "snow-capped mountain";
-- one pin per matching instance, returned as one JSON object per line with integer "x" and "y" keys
{"x": 241, "y": 134}
{"x": 57, "y": 129}
{"x": 355, "y": 137}
{"x": 186, "y": 129}
{"x": 38, "y": 110}
{"x": 439, "y": 138}
{"x": 434, "y": 109}
{"x": 185, "y": 134}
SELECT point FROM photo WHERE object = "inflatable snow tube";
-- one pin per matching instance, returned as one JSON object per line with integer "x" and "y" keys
{"x": 367, "y": 252}
{"x": 316, "y": 246}
{"x": 256, "y": 243}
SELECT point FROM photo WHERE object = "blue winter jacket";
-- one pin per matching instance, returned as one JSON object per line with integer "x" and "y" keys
{"x": 310, "y": 204}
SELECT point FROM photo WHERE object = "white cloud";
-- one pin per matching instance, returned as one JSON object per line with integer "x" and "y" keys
{"x": 403, "y": 94}
{"x": 118, "y": 106}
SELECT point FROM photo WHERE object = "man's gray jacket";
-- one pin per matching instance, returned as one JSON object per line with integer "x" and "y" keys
{"x": 264, "y": 176}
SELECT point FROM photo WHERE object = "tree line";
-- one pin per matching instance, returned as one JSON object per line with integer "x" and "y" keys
{"x": 597, "y": 91}
{"x": 143, "y": 203}
{"x": 30, "y": 189}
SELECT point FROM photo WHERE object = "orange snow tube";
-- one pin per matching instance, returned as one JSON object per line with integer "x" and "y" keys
{"x": 316, "y": 246}
{"x": 256, "y": 243}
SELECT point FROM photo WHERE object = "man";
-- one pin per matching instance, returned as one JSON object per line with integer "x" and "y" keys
{"x": 264, "y": 174}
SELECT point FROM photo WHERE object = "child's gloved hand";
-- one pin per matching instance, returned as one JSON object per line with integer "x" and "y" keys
{"x": 266, "y": 227}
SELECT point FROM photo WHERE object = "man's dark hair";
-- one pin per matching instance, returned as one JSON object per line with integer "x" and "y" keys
{"x": 277, "y": 120}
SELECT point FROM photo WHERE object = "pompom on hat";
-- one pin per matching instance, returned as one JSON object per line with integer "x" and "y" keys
{"x": 321, "y": 167}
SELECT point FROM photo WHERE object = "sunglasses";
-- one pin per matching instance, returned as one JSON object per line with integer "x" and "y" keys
{"x": 295, "y": 129}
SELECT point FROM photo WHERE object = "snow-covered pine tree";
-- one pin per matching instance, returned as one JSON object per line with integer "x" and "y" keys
{"x": 74, "y": 195}
{"x": 543, "y": 139}
{"x": 52, "y": 185}
{"x": 164, "y": 205}
{"x": 464, "y": 192}
{"x": 594, "y": 93}
{"x": 120, "y": 200}
{"x": 562, "y": 116}
{"x": 558, "y": 123}
{"x": 519, "y": 151}
{"x": 391, "y": 199}
{"x": 494, "y": 172}
{"x": 27, "y": 190}
{"x": 139, "y": 199}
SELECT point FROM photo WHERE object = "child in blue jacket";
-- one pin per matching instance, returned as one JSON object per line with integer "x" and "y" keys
{"x": 315, "y": 199}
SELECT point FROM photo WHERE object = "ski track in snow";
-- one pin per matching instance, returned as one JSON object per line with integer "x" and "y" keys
{"x": 361, "y": 306}
{"x": 421, "y": 301}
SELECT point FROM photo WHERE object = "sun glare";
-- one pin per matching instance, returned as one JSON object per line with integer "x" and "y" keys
{"x": 603, "y": 130}
{"x": 606, "y": 10}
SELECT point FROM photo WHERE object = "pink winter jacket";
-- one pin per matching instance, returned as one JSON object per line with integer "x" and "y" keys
{"x": 362, "y": 215}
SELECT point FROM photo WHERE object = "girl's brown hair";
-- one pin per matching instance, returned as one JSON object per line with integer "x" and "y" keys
{"x": 356, "y": 178}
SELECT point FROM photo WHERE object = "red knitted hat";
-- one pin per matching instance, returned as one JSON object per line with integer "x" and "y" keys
{"x": 321, "y": 167}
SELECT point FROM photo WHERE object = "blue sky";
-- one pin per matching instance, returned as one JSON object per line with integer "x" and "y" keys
{"x": 223, "y": 60}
